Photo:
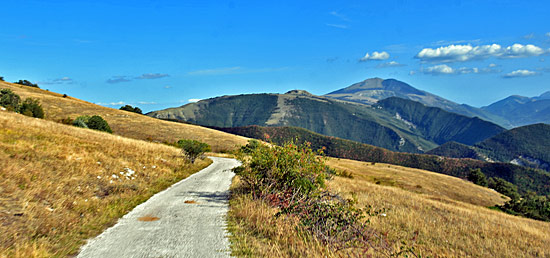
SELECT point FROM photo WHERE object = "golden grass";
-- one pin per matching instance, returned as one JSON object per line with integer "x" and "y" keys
{"x": 448, "y": 214}
{"x": 125, "y": 123}
{"x": 431, "y": 184}
{"x": 255, "y": 232}
{"x": 448, "y": 222}
{"x": 60, "y": 185}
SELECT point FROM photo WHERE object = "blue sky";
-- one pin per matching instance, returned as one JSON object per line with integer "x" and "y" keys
{"x": 158, "y": 54}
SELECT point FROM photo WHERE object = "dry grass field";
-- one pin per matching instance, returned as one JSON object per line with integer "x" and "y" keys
{"x": 60, "y": 185}
{"x": 125, "y": 123}
{"x": 448, "y": 216}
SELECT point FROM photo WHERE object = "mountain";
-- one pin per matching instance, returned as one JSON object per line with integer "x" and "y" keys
{"x": 438, "y": 125}
{"x": 372, "y": 90}
{"x": 527, "y": 146}
{"x": 527, "y": 179}
{"x": 376, "y": 125}
{"x": 520, "y": 110}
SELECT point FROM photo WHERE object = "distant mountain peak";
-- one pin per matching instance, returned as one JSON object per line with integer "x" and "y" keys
{"x": 545, "y": 95}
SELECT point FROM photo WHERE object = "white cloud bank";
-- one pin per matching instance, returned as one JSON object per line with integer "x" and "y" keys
{"x": 444, "y": 69}
{"x": 520, "y": 73}
{"x": 462, "y": 53}
{"x": 390, "y": 64}
{"x": 375, "y": 56}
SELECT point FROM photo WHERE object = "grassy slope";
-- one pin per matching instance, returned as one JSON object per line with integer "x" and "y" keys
{"x": 525, "y": 178}
{"x": 448, "y": 214}
{"x": 125, "y": 123}
{"x": 55, "y": 183}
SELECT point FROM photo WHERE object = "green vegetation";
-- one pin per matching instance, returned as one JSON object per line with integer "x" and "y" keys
{"x": 29, "y": 107}
{"x": 92, "y": 122}
{"x": 526, "y": 179}
{"x": 530, "y": 205}
{"x": 27, "y": 83}
{"x": 1, "y": 78}
{"x": 477, "y": 177}
{"x": 439, "y": 125}
{"x": 455, "y": 150}
{"x": 291, "y": 178}
{"x": 9, "y": 100}
{"x": 131, "y": 109}
{"x": 504, "y": 187}
{"x": 192, "y": 149}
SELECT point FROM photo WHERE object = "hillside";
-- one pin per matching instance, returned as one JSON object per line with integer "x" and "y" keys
{"x": 123, "y": 123}
{"x": 520, "y": 110}
{"x": 445, "y": 224}
{"x": 525, "y": 178}
{"x": 439, "y": 125}
{"x": 60, "y": 185}
{"x": 372, "y": 90}
{"x": 526, "y": 146}
{"x": 367, "y": 124}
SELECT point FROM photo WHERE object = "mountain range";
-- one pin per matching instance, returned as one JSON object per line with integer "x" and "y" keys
{"x": 395, "y": 124}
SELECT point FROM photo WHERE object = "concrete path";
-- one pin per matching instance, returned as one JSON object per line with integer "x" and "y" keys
{"x": 185, "y": 220}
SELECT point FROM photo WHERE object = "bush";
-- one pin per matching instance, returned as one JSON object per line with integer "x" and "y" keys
{"x": 530, "y": 206}
{"x": 27, "y": 83}
{"x": 504, "y": 187}
{"x": 290, "y": 168}
{"x": 98, "y": 123}
{"x": 292, "y": 178}
{"x": 477, "y": 177}
{"x": 192, "y": 149}
{"x": 131, "y": 109}
{"x": 31, "y": 107}
{"x": 81, "y": 121}
{"x": 1, "y": 78}
{"x": 94, "y": 122}
{"x": 9, "y": 100}
{"x": 251, "y": 146}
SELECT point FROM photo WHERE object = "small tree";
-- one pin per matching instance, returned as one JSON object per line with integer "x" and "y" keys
{"x": 31, "y": 107}
{"x": 1, "y": 78}
{"x": 93, "y": 122}
{"x": 98, "y": 123}
{"x": 477, "y": 177}
{"x": 192, "y": 149}
{"x": 9, "y": 100}
{"x": 504, "y": 187}
{"x": 27, "y": 83}
{"x": 131, "y": 109}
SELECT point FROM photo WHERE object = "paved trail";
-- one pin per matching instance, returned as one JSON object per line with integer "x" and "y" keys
{"x": 167, "y": 226}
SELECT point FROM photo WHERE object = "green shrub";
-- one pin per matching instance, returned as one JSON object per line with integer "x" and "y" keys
{"x": 27, "y": 83}
{"x": 131, "y": 109}
{"x": 92, "y": 122}
{"x": 192, "y": 149}
{"x": 530, "y": 206}
{"x": 477, "y": 177}
{"x": 31, "y": 107}
{"x": 504, "y": 187}
{"x": 291, "y": 167}
{"x": 251, "y": 146}
{"x": 9, "y": 100}
{"x": 1, "y": 78}
{"x": 81, "y": 121}
{"x": 292, "y": 178}
{"x": 98, "y": 123}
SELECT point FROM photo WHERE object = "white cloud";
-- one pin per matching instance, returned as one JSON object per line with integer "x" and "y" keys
{"x": 339, "y": 26}
{"x": 149, "y": 76}
{"x": 111, "y": 103}
{"x": 444, "y": 69}
{"x": 493, "y": 65}
{"x": 547, "y": 34}
{"x": 119, "y": 79}
{"x": 147, "y": 103}
{"x": 462, "y": 53}
{"x": 339, "y": 15}
{"x": 520, "y": 73}
{"x": 375, "y": 56}
{"x": 193, "y": 100}
{"x": 62, "y": 80}
{"x": 529, "y": 36}
{"x": 390, "y": 64}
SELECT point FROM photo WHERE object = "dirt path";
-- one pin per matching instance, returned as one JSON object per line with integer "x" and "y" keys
{"x": 185, "y": 220}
